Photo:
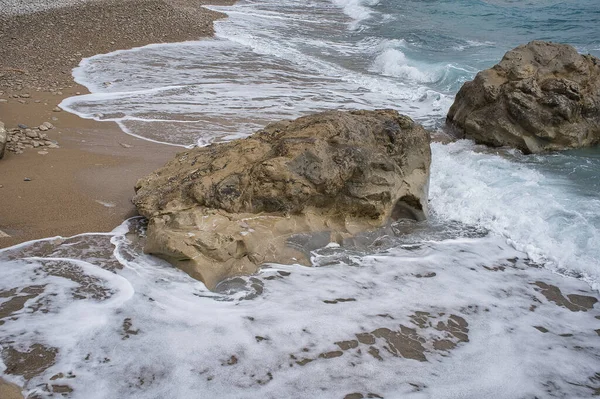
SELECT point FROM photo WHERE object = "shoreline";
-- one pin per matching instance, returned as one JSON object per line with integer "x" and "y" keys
{"x": 86, "y": 184}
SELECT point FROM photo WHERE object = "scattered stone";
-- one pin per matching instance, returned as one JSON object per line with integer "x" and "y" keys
{"x": 22, "y": 126}
{"x": 26, "y": 95}
{"x": 3, "y": 100}
{"x": 126, "y": 145}
{"x": 57, "y": 109}
{"x": 19, "y": 139}
{"x": 42, "y": 152}
{"x": 42, "y": 128}
{"x": 48, "y": 125}
{"x": 542, "y": 96}
{"x": 22, "y": 101}
{"x": 31, "y": 134}
{"x": 27, "y": 179}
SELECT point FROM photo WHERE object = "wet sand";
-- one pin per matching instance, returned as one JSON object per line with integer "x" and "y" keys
{"x": 86, "y": 184}
{"x": 9, "y": 391}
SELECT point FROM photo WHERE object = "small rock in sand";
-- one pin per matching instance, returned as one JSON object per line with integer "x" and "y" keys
{"x": 126, "y": 145}
{"x": 42, "y": 128}
{"x": 42, "y": 152}
{"x": 32, "y": 134}
{"x": 57, "y": 109}
{"x": 48, "y": 125}
{"x": 27, "y": 179}
{"x": 22, "y": 126}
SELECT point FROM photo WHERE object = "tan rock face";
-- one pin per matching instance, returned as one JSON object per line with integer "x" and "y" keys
{"x": 225, "y": 209}
{"x": 541, "y": 96}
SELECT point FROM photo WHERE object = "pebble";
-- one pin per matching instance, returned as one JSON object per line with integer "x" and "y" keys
{"x": 22, "y": 101}
{"x": 42, "y": 128}
{"x": 126, "y": 145}
{"x": 56, "y": 109}
{"x": 27, "y": 179}
{"x": 48, "y": 125}
{"x": 32, "y": 134}
{"x": 3, "y": 100}
{"x": 42, "y": 152}
{"x": 22, "y": 126}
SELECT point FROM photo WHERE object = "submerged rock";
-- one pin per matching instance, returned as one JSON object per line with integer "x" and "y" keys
{"x": 541, "y": 96}
{"x": 225, "y": 209}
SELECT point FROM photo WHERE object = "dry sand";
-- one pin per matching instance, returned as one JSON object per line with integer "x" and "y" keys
{"x": 86, "y": 184}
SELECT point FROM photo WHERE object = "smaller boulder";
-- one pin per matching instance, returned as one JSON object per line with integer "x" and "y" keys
{"x": 541, "y": 96}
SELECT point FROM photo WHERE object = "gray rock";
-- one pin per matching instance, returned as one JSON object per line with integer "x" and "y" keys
{"x": 22, "y": 126}
{"x": 32, "y": 134}
{"x": 541, "y": 96}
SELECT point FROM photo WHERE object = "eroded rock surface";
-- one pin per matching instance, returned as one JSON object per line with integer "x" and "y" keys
{"x": 225, "y": 209}
{"x": 541, "y": 96}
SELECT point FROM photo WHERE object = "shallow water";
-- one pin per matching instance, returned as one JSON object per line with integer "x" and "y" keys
{"x": 437, "y": 313}
{"x": 493, "y": 296}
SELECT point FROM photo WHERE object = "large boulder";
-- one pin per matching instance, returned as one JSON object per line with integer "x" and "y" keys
{"x": 225, "y": 209}
{"x": 541, "y": 96}
{"x": 3, "y": 139}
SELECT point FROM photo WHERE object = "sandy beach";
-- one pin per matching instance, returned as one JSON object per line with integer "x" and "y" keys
{"x": 86, "y": 184}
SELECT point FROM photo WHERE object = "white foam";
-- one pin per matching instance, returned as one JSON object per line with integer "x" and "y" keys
{"x": 182, "y": 339}
{"x": 358, "y": 10}
{"x": 540, "y": 211}
{"x": 393, "y": 62}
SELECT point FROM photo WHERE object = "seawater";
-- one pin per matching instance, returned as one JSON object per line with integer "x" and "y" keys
{"x": 502, "y": 224}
